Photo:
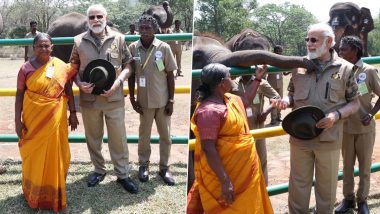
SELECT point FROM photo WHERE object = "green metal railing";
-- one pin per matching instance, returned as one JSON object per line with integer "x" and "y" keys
{"x": 70, "y": 40}
{"x": 237, "y": 71}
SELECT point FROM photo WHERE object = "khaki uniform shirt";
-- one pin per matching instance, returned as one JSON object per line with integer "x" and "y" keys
{"x": 329, "y": 89}
{"x": 175, "y": 43}
{"x": 368, "y": 82}
{"x": 30, "y": 52}
{"x": 256, "y": 108}
{"x": 113, "y": 48}
{"x": 152, "y": 83}
{"x": 275, "y": 80}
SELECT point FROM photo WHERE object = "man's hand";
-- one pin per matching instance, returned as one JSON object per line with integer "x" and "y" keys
{"x": 169, "y": 108}
{"x": 328, "y": 121}
{"x": 73, "y": 121}
{"x": 366, "y": 119}
{"x": 19, "y": 129}
{"x": 279, "y": 103}
{"x": 260, "y": 71}
{"x": 86, "y": 87}
{"x": 136, "y": 106}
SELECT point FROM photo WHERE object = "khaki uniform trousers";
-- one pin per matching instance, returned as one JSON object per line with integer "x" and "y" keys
{"x": 145, "y": 129}
{"x": 93, "y": 121}
{"x": 177, "y": 52}
{"x": 276, "y": 113}
{"x": 261, "y": 149}
{"x": 361, "y": 146}
{"x": 303, "y": 162}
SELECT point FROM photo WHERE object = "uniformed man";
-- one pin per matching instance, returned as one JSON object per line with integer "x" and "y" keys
{"x": 153, "y": 66}
{"x": 333, "y": 89}
{"x": 132, "y": 30}
{"x": 255, "y": 113}
{"x": 28, "y": 53}
{"x": 100, "y": 42}
{"x": 176, "y": 47}
{"x": 359, "y": 128}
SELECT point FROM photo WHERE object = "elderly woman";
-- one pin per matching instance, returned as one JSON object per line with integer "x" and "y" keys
{"x": 43, "y": 91}
{"x": 227, "y": 168}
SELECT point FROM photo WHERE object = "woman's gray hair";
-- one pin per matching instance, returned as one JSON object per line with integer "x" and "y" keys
{"x": 211, "y": 75}
{"x": 97, "y": 7}
{"x": 326, "y": 29}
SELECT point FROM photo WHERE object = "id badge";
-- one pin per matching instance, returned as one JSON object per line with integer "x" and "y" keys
{"x": 256, "y": 100}
{"x": 160, "y": 65}
{"x": 363, "y": 88}
{"x": 50, "y": 72}
{"x": 142, "y": 81}
{"x": 249, "y": 112}
{"x": 176, "y": 42}
{"x": 278, "y": 76}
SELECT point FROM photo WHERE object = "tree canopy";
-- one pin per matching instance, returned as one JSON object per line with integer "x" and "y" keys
{"x": 374, "y": 39}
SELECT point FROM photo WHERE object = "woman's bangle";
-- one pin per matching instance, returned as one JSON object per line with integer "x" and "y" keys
{"x": 339, "y": 114}
{"x": 258, "y": 80}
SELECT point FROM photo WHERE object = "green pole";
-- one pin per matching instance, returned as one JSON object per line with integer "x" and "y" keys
{"x": 12, "y": 138}
{"x": 70, "y": 40}
{"x": 283, "y": 188}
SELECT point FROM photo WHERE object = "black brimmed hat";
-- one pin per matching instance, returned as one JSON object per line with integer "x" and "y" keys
{"x": 300, "y": 123}
{"x": 101, "y": 73}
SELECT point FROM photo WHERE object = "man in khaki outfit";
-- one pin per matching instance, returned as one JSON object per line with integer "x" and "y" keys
{"x": 359, "y": 129}
{"x": 100, "y": 42}
{"x": 256, "y": 114}
{"x": 28, "y": 53}
{"x": 153, "y": 66}
{"x": 333, "y": 89}
{"x": 176, "y": 47}
{"x": 276, "y": 81}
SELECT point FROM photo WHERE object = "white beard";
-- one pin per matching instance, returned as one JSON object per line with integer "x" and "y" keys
{"x": 315, "y": 54}
{"x": 98, "y": 29}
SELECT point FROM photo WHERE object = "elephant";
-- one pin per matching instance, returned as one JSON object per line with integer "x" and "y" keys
{"x": 1, "y": 23}
{"x": 72, "y": 24}
{"x": 163, "y": 14}
{"x": 248, "y": 39}
{"x": 346, "y": 18}
{"x": 208, "y": 48}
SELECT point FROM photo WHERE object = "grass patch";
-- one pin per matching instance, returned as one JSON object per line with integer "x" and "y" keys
{"x": 108, "y": 197}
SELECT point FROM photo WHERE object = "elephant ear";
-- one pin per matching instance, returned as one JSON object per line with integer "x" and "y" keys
{"x": 366, "y": 21}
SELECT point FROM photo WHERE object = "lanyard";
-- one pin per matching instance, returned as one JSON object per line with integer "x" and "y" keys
{"x": 147, "y": 59}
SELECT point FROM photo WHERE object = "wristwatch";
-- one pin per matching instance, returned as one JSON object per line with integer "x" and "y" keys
{"x": 171, "y": 100}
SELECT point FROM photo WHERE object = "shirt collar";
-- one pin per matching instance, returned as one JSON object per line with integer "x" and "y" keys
{"x": 154, "y": 43}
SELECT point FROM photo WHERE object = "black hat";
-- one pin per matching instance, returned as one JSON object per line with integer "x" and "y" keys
{"x": 300, "y": 123}
{"x": 101, "y": 73}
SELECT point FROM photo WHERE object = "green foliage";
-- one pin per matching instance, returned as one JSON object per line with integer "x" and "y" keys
{"x": 223, "y": 17}
{"x": 285, "y": 25}
{"x": 18, "y": 32}
{"x": 374, "y": 39}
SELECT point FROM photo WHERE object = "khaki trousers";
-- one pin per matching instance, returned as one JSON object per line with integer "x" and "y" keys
{"x": 177, "y": 52}
{"x": 93, "y": 121}
{"x": 303, "y": 162}
{"x": 360, "y": 146}
{"x": 276, "y": 113}
{"x": 145, "y": 129}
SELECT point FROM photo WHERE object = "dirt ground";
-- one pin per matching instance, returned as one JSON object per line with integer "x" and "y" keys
{"x": 278, "y": 147}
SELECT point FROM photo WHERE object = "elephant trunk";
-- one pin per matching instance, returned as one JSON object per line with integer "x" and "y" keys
{"x": 169, "y": 15}
{"x": 255, "y": 57}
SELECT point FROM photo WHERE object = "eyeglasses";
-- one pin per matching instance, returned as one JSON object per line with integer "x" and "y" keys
{"x": 43, "y": 46}
{"x": 312, "y": 39}
{"x": 97, "y": 17}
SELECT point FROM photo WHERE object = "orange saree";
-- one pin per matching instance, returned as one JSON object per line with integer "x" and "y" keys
{"x": 238, "y": 154}
{"x": 44, "y": 147}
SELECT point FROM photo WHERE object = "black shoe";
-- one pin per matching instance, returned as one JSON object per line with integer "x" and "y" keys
{"x": 363, "y": 207}
{"x": 167, "y": 177}
{"x": 344, "y": 206}
{"x": 128, "y": 185}
{"x": 143, "y": 173}
{"x": 95, "y": 178}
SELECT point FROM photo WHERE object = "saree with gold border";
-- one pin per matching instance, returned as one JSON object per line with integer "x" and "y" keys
{"x": 44, "y": 147}
{"x": 237, "y": 151}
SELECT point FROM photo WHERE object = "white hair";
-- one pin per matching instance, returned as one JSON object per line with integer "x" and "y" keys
{"x": 97, "y": 7}
{"x": 326, "y": 30}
